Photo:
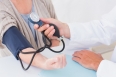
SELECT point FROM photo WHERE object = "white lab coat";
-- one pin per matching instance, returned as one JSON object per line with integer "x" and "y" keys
{"x": 86, "y": 35}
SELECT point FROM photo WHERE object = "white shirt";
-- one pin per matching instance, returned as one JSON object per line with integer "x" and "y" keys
{"x": 86, "y": 35}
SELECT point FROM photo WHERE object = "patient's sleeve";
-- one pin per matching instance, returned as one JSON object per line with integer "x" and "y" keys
{"x": 15, "y": 41}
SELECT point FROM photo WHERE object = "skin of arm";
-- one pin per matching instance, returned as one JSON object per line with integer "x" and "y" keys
{"x": 24, "y": 7}
{"x": 38, "y": 60}
{"x": 42, "y": 62}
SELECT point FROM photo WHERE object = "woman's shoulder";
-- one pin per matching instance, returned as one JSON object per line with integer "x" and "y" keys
{"x": 46, "y": 2}
{"x": 49, "y": 6}
{"x": 4, "y": 4}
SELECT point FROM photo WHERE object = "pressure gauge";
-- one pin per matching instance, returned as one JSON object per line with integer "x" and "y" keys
{"x": 34, "y": 18}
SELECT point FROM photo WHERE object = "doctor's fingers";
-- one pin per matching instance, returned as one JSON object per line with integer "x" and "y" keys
{"x": 50, "y": 20}
{"x": 50, "y": 34}
{"x": 100, "y": 56}
{"x": 42, "y": 28}
{"x": 48, "y": 30}
{"x": 36, "y": 26}
{"x": 78, "y": 54}
{"x": 77, "y": 59}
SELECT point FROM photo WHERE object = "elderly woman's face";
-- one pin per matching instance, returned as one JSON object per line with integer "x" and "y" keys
{"x": 23, "y": 6}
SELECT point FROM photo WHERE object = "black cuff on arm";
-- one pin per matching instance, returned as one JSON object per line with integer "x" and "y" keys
{"x": 15, "y": 41}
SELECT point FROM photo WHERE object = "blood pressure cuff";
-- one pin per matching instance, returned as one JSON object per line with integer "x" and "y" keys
{"x": 15, "y": 41}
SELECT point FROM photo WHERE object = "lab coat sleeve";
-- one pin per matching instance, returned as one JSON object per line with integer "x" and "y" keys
{"x": 106, "y": 69}
{"x": 86, "y": 35}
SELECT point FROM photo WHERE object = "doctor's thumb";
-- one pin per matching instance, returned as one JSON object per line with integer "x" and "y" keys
{"x": 48, "y": 20}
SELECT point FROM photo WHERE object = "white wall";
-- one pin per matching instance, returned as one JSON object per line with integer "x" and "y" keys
{"x": 81, "y": 11}
{"x": 84, "y": 11}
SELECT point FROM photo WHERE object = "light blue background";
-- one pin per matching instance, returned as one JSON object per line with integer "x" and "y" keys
{"x": 72, "y": 69}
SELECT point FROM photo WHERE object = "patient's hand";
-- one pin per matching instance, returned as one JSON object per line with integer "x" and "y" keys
{"x": 57, "y": 62}
{"x": 42, "y": 62}
{"x": 88, "y": 59}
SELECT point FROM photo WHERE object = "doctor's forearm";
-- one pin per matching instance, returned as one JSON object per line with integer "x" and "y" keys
{"x": 95, "y": 32}
{"x": 66, "y": 30}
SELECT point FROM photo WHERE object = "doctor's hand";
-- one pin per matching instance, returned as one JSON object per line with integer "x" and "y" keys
{"x": 49, "y": 30}
{"x": 88, "y": 59}
{"x": 57, "y": 62}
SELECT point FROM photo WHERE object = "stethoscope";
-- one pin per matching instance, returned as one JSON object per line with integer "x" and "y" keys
{"x": 34, "y": 18}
